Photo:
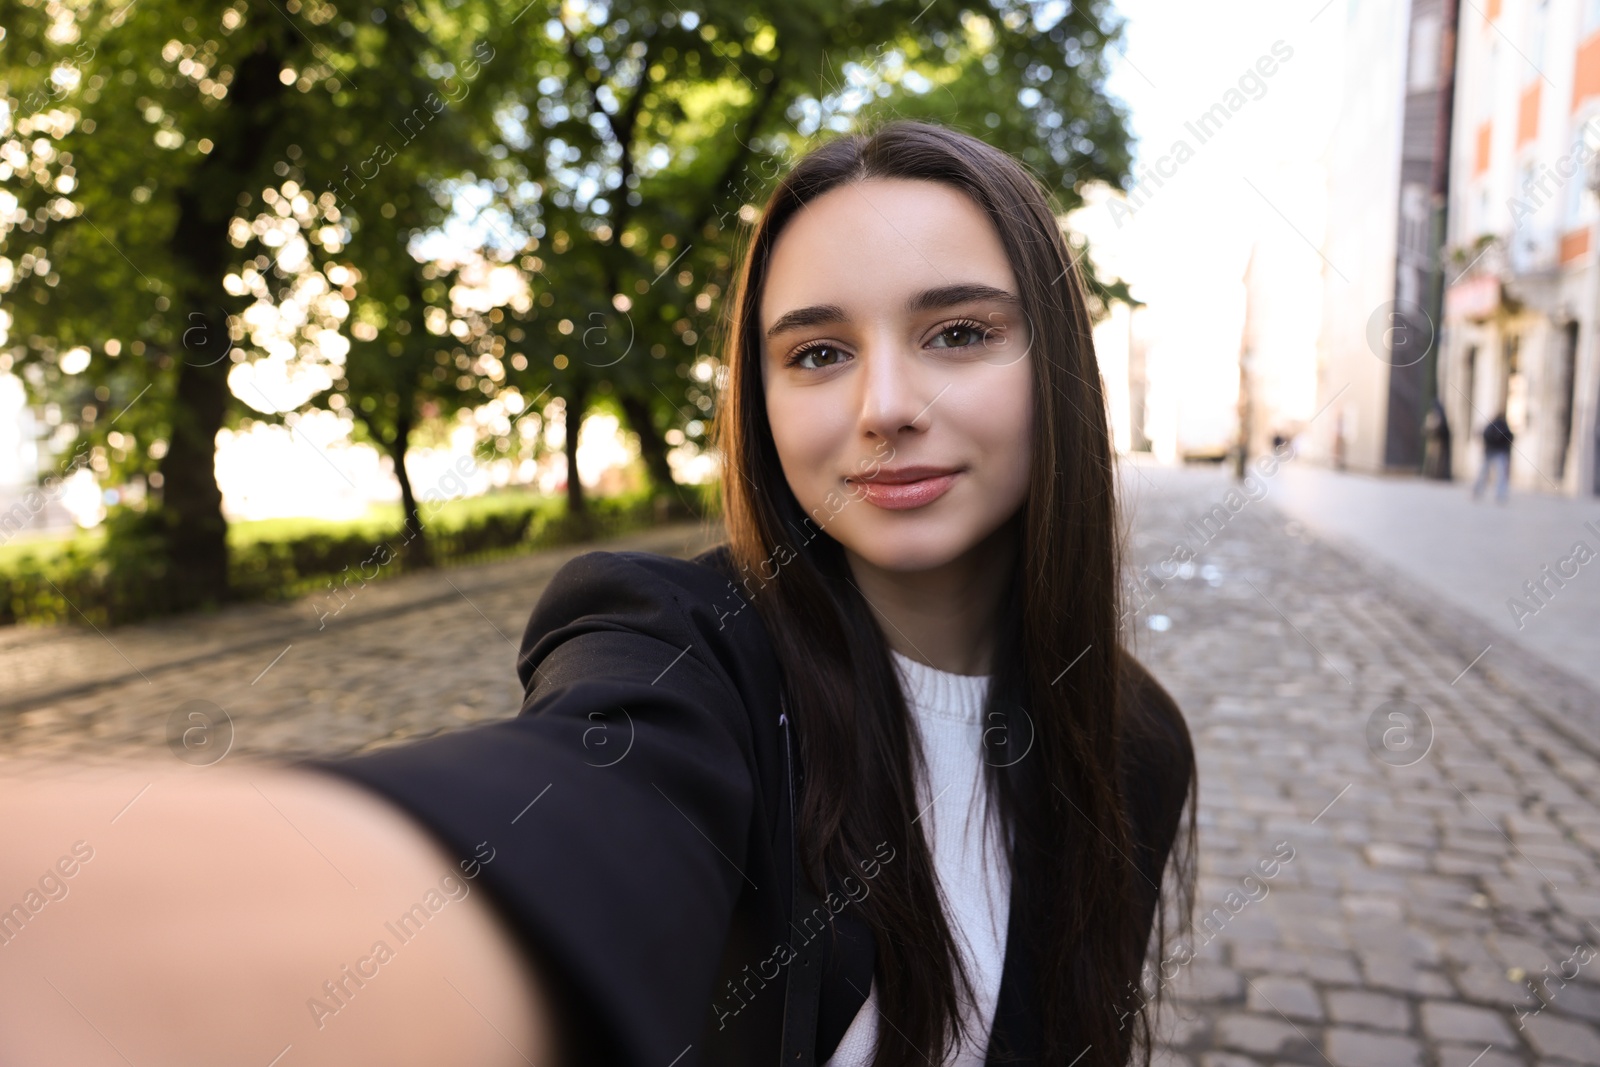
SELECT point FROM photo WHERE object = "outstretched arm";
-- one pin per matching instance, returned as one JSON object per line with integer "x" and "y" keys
{"x": 255, "y": 914}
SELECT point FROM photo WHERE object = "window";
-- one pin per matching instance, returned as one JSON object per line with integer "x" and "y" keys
{"x": 1577, "y": 200}
{"x": 1538, "y": 18}
{"x": 1523, "y": 239}
{"x": 1572, "y": 209}
{"x": 1422, "y": 70}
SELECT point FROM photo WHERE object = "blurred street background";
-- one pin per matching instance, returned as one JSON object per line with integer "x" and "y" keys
{"x": 328, "y": 332}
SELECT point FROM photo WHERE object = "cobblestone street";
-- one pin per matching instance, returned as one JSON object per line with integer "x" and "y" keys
{"x": 394, "y": 659}
{"x": 1431, "y": 822}
{"x": 1444, "y": 856}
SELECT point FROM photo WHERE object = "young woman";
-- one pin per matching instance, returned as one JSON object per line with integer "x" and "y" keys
{"x": 874, "y": 782}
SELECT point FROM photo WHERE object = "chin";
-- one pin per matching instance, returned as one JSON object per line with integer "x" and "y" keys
{"x": 908, "y": 548}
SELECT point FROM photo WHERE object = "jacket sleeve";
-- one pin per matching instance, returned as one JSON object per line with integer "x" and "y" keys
{"x": 609, "y": 820}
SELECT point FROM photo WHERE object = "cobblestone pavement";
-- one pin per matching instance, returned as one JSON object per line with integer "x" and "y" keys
{"x": 1430, "y": 824}
{"x": 1445, "y": 835}
{"x": 394, "y": 659}
{"x": 1514, "y": 568}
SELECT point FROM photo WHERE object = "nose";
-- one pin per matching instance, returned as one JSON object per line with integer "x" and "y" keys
{"x": 895, "y": 389}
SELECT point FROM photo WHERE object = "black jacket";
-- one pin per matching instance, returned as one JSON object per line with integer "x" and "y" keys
{"x": 633, "y": 824}
{"x": 1497, "y": 435}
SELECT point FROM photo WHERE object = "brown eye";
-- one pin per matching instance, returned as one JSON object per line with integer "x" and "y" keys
{"x": 960, "y": 335}
{"x": 802, "y": 353}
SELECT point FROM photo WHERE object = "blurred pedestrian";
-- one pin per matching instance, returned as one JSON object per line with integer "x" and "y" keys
{"x": 1497, "y": 438}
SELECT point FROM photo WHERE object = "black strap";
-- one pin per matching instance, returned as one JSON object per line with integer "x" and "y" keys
{"x": 803, "y": 989}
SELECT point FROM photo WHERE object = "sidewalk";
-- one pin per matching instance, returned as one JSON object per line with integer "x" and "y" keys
{"x": 1474, "y": 557}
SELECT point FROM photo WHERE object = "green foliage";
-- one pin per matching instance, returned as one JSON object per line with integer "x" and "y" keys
{"x": 79, "y": 583}
{"x": 176, "y": 169}
{"x": 180, "y": 167}
{"x": 630, "y": 154}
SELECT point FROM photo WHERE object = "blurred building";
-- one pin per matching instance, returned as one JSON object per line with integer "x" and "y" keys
{"x": 1386, "y": 166}
{"x": 1119, "y": 342}
{"x": 1169, "y": 368}
{"x": 39, "y": 491}
{"x": 1278, "y": 339}
{"x": 1520, "y": 310}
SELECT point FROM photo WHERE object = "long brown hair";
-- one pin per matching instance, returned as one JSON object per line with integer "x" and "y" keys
{"x": 1055, "y": 760}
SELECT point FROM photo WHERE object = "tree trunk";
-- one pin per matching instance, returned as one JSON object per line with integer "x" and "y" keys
{"x": 577, "y": 402}
{"x": 414, "y": 551}
{"x": 194, "y": 532}
{"x": 653, "y": 449}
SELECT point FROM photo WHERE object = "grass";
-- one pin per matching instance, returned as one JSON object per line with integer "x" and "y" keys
{"x": 382, "y": 520}
{"x": 47, "y": 546}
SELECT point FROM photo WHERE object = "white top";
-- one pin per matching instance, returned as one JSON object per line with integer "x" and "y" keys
{"x": 973, "y": 881}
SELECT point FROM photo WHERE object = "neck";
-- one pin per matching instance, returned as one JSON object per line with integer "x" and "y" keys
{"x": 945, "y": 616}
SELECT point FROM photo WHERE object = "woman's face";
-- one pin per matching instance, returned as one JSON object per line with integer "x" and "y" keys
{"x": 893, "y": 338}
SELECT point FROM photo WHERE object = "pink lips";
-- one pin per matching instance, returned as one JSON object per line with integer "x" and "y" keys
{"x": 890, "y": 490}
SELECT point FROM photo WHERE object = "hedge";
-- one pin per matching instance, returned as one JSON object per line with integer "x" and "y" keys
{"x": 124, "y": 579}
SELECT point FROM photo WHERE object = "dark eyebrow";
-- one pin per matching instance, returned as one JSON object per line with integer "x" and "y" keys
{"x": 960, "y": 293}
{"x": 816, "y": 315}
{"x": 927, "y": 300}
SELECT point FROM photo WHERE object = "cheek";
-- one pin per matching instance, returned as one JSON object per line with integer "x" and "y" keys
{"x": 804, "y": 433}
{"x": 1008, "y": 429}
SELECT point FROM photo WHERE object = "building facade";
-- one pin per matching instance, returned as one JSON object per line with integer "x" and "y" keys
{"x": 1362, "y": 167}
{"x": 1520, "y": 325}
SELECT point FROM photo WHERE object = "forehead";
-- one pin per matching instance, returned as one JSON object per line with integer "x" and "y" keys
{"x": 868, "y": 244}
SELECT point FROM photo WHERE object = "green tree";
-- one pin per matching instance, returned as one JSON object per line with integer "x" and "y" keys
{"x": 637, "y": 146}
{"x": 138, "y": 148}
{"x": 397, "y": 371}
